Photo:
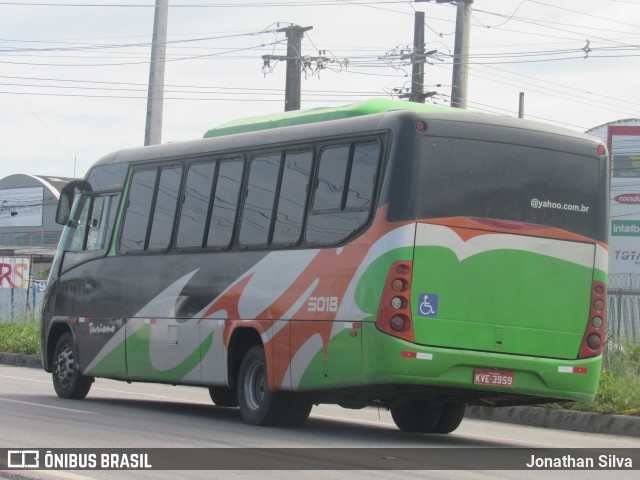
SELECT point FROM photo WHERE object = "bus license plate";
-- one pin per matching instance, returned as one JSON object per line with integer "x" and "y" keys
{"x": 498, "y": 378}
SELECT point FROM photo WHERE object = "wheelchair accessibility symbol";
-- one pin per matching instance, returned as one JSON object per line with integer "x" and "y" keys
{"x": 428, "y": 305}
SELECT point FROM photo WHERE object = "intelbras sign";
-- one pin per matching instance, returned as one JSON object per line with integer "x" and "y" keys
{"x": 625, "y": 228}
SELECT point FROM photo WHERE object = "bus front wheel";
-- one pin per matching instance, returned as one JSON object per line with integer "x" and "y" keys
{"x": 68, "y": 382}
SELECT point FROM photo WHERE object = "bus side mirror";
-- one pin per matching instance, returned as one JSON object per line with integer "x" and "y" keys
{"x": 66, "y": 200}
{"x": 64, "y": 206}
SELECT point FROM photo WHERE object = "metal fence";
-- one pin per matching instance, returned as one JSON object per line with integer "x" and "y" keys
{"x": 23, "y": 243}
{"x": 623, "y": 316}
{"x": 17, "y": 304}
{"x": 623, "y": 313}
{"x": 26, "y": 239}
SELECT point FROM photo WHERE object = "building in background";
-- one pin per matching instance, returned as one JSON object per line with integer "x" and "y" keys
{"x": 28, "y": 238}
{"x": 622, "y": 138}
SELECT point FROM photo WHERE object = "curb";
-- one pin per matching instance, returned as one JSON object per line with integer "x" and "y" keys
{"x": 19, "y": 360}
{"x": 626, "y": 425}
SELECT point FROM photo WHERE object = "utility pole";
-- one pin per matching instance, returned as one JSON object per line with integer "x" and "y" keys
{"x": 521, "y": 106}
{"x": 418, "y": 59}
{"x": 294, "y": 65}
{"x": 155, "y": 96}
{"x": 461, "y": 55}
{"x": 417, "y": 71}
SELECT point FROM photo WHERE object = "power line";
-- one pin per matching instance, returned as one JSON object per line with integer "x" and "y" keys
{"x": 319, "y": 3}
{"x": 579, "y": 12}
{"x": 190, "y": 57}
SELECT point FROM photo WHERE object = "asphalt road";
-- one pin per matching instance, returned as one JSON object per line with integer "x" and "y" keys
{"x": 119, "y": 415}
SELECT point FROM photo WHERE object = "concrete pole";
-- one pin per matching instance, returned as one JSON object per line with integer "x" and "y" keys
{"x": 417, "y": 73}
{"x": 461, "y": 55}
{"x": 294, "y": 66}
{"x": 155, "y": 97}
{"x": 521, "y": 106}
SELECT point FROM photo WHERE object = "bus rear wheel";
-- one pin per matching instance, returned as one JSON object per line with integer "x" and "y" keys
{"x": 416, "y": 417}
{"x": 261, "y": 406}
{"x": 452, "y": 415}
{"x": 299, "y": 409}
{"x": 68, "y": 382}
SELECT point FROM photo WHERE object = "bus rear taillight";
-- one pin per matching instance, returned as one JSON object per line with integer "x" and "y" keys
{"x": 594, "y": 336}
{"x": 394, "y": 314}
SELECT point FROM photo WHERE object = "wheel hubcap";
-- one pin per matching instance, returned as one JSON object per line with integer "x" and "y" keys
{"x": 64, "y": 366}
{"x": 255, "y": 386}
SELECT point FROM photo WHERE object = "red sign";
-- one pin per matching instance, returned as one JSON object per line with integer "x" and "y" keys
{"x": 628, "y": 198}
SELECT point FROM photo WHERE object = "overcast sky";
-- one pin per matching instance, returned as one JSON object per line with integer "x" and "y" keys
{"x": 73, "y": 74}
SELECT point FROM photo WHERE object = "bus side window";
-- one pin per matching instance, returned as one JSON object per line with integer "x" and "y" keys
{"x": 225, "y": 203}
{"x": 331, "y": 174}
{"x": 100, "y": 223}
{"x": 344, "y": 192}
{"x": 165, "y": 208}
{"x": 363, "y": 175}
{"x": 197, "y": 194}
{"x": 293, "y": 197}
{"x": 89, "y": 231}
{"x": 148, "y": 222}
{"x": 136, "y": 220}
{"x": 258, "y": 204}
{"x": 78, "y": 225}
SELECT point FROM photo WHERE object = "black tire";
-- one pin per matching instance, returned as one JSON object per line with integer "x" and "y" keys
{"x": 299, "y": 409}
{"x": 68, "y": 382}
{"x": 223, "y": 396}
{"x": 416, "y": 417}
{"x": 452, "y": 415}
{"x": 258, "y": 404}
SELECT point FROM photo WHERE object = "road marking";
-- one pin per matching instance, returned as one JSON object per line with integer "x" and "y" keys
{"x": 353, "y": 420}
{"x": 72, "y": 410}
{"x": 25, "y": 379}
{"x": 143, "y": 394}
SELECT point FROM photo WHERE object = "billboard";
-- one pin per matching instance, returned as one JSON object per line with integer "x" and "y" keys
{"x": 21, "y": 207}
{"x": 623, "y": 142}
{"x": 624, "y": 240}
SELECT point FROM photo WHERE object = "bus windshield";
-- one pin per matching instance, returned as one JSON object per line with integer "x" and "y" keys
{"x": 472, "y": 178}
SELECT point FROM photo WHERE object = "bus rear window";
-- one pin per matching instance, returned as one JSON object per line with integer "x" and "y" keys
{"x": 474, "y": 178}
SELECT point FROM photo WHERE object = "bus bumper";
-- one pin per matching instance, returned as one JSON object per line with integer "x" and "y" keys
{"x": 393, "y": 361}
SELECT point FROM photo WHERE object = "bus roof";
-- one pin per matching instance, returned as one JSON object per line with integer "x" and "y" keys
{"x": 319, "y": 114}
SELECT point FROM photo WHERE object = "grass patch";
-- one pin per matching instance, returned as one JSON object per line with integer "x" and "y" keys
{"x": 20, "y": 337}
{"x": 618, "y": 390}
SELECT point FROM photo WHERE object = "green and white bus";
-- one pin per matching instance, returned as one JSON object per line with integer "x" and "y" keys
{"x": 410, "y": 257}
